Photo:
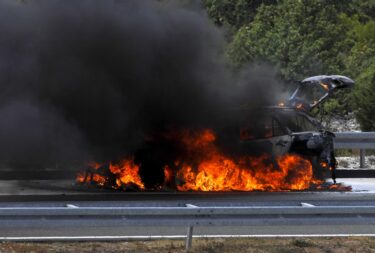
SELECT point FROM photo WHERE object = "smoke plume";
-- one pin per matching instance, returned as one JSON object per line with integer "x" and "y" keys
{"x": 84, "y": 80}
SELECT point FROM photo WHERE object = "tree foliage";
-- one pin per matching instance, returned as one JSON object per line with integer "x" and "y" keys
{"x": 361, "y": 64}
{"x": 304, "y": 38}
{"x": 233, "y": 13}
{"x": 301, "y": 37}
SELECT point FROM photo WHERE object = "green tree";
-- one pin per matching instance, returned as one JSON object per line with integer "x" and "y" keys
{"x": 365, "y": 7}
{"x": 233, "y": 13}
{"x": 361, "y": 65}
{"x": 302, "y": 38}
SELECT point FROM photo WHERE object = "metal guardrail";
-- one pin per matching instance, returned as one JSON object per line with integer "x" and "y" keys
{"x": 355, "y": 140}
{"x": 191, "y": 215}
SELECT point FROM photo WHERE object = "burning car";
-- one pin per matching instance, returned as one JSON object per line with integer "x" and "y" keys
{"x": 290, "y": 128}
{"x": 275, "y": 148}
{"x": 311, "y": 93}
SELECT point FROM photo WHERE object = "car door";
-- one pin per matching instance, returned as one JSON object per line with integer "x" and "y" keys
{"x": 314, "y": 90}
{"x": 264, "y": 134}
{"x": 281, "y": 140}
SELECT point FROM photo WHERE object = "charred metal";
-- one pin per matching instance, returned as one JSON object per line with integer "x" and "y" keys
{"x": 270, "y": 148}
{"x": 305, "y": 135}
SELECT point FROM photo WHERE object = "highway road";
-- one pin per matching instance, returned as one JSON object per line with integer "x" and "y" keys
{"x": 56, "y": 194}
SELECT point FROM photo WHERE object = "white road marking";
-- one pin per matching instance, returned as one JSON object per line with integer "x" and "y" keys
{"x": 191, "y": 205}
{"x": 306, "y": 204}
{"x": 71, "y": 206}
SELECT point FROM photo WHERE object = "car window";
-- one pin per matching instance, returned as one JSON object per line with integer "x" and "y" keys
{"x": 311, "y": 93}
{"x": 263, "y": 127}
{"x": 305, "y": 123}
{"x": 298, "y": 123}
{"x": 277, "y": 130}
{"x": 256, "y": 129}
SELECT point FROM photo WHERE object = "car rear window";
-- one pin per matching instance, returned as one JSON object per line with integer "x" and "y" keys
{"x": 262, "y": 127}
{"x": 298, "y": 123}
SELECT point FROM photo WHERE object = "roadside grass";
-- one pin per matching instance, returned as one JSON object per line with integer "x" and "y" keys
{"x": 229, "y": 245}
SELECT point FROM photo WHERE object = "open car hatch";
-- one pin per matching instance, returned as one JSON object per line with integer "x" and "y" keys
{"x": 314, "y": 90}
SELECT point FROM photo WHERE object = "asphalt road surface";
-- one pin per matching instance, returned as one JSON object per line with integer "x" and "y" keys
{"x": 64, "y": 193}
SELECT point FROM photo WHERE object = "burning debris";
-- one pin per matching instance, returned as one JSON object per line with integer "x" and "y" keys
{"x": 123, "y": 175}
{"x": 202, "y": 166}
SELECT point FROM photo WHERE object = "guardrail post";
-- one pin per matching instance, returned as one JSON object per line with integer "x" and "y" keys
{"x": 362, "y": 162}
{"x": 189, "y": 239}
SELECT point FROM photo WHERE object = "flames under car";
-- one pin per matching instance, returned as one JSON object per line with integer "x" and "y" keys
{"x": 269, "y": 149}
{"x": 285, "y": 130}
{"x": 290, "y": 128}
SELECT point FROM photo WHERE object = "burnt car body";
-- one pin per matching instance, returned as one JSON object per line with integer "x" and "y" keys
{"x": 278, "y": 131}
{"x": 313, "y": 91}
{"x": 273, "y": 130}
{"x": 290, "y": 126}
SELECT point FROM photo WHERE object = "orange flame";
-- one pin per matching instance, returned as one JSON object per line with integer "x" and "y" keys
{"x": 217, "y": 172}
{"x": 168, "y": 175}
{"x": 94, "y": 165}
{"x": 99, "y": 179}
{"x": 299, "y": 106}
{"x": 325, "y": 86}
{"x": 325, "y": 165}
{"x": 204, "y": 167}
{"x": 81, "y": 177}
{"x": 222, "y": 174}
{"x": 127, "y": 172}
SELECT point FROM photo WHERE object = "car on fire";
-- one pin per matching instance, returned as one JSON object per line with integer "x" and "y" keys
{"x": 290, "y": 127}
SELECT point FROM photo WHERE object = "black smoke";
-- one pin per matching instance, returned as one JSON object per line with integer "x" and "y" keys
{"x": 82, "y": 80}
